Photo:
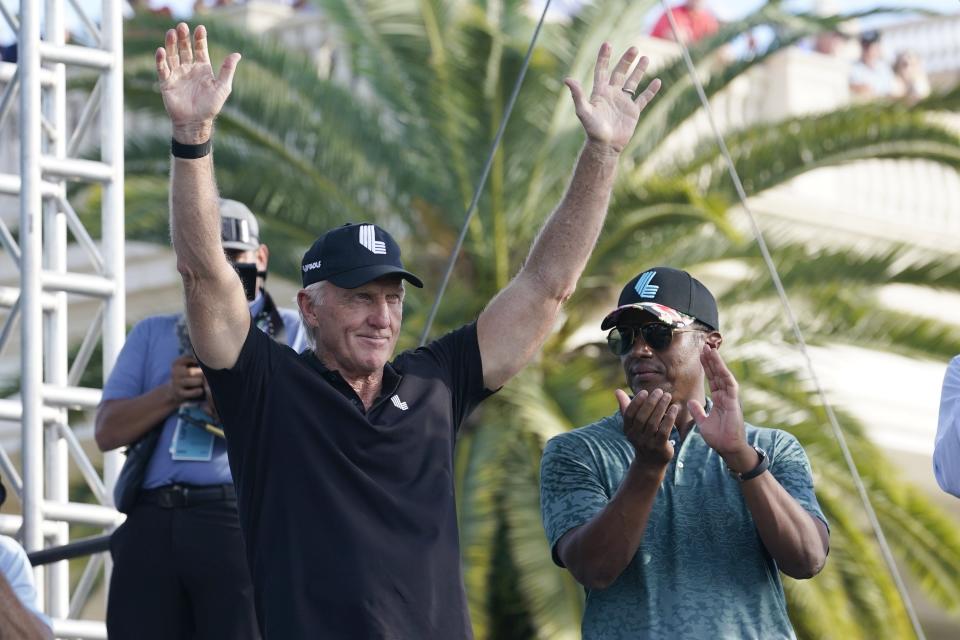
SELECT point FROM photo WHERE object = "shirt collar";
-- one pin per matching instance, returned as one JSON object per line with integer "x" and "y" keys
{"x": 391, "y": 377}
{"x": 256, "y": 305}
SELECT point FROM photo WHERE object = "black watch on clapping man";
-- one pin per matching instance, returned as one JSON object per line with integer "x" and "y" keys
{"x": 762, "y": 464}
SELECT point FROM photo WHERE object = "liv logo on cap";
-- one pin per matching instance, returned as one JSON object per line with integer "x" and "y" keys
{"x": 369, "y": 240}
{"x": 677, "y": 299}
{"x": 335, "y": 256}
{"x": 643, "y": 287}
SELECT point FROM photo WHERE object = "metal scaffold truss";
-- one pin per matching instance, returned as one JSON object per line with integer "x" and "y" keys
{"x": 50, "y": 75}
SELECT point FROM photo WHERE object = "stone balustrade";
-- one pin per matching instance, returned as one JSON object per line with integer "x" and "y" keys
{"x": 912, "y": 201}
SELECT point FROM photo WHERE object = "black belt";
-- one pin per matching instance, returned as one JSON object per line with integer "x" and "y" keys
{"x": 186, "y": 495}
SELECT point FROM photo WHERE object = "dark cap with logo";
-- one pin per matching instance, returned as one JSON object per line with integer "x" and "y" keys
{"x": 353, "y": 255}
{"x": 670, "y": 295}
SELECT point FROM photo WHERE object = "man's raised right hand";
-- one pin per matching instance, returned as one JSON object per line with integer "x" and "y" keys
{"x": 192, "y": 95}
{"x": 648, "y": 419}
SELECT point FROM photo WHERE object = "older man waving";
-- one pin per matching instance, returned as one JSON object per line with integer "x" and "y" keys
{"x": 343, "y": 456}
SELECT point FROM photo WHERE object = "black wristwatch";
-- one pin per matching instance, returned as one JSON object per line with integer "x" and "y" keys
{"x": 762, "y": 465}
{"x": 190, "y": 151}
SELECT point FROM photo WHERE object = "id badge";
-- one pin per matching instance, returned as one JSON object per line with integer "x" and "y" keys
{"x": 191, "y": 443}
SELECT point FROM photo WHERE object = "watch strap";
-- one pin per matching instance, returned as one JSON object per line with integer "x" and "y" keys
{"x": 190, "y": 151}
{"x": 762, "y": 465}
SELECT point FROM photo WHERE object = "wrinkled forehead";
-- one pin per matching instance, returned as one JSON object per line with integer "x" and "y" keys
{"x": 392, "y": 282}
{"x": 387, "y": 284}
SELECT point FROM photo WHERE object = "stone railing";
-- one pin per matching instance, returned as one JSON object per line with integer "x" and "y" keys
{"x": 912, "y": 201}
{"x": 304, "y": 29}
{"x": 935, "y": 40}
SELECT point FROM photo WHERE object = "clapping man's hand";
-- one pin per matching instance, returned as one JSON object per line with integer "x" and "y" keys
{"x": 723, "y": 429}
{"x": 647, "y": 422}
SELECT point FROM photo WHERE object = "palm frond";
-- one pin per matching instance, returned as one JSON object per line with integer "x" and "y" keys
{"x": 768, "y": 155}
{"x": 403, "y": 141}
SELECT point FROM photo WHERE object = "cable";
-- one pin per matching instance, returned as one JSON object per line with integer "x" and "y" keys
{"x": 785, "y": 302}
{"x": 483, "y": 177}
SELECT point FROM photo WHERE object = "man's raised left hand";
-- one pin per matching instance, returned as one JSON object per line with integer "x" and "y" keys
{"x": 609, "y": 116}
{"x": 723, "y": 430}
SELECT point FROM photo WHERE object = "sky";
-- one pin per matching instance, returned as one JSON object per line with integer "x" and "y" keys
{"x": 725, "y": 9}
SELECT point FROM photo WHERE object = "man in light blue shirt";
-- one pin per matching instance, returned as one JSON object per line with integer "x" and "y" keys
{"x": 180, "y": 568}
{"x": 20, "y": 614}
{"x": 946, "y": 449}
{"x": 674, "y": 514}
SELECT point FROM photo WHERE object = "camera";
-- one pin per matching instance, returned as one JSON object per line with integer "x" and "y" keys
{"x": 248, "y": 277}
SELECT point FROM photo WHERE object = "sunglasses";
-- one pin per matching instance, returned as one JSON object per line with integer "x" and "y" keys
{"x": 656, "y": 335}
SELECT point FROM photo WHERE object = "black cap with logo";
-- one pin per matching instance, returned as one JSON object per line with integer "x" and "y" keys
{"x": 353, "y": 255}
{"x": 662, "y": 290}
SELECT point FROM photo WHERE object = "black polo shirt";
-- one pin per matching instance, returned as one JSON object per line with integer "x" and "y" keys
{"x": 349, "y": 516}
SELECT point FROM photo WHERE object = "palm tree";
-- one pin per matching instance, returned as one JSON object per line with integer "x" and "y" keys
{"x": 404, "y": 144}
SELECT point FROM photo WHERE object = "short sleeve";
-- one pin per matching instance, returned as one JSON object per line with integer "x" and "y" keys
{"x": 15, "y": 567}
{"x": 457, "y": 354}
{"x": 946, "y": 448}
{"x": 858, "y": 74}
{"x": 239, "y": 392}
{"x": 571, "y": 492}
{"x": 296, "y": 335}
{"x": 790, "y": 466}
{"x": 128, "y": 378}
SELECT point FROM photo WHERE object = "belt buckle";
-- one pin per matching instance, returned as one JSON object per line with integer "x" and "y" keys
{"x": 175, "y": 496}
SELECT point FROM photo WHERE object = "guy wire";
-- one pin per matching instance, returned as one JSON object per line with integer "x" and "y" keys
{"x": 798, "y": 334}
{"x": 483, "y": 177}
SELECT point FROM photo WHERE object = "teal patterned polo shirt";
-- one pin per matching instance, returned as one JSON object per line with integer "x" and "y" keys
{"x": 701, "y": 570}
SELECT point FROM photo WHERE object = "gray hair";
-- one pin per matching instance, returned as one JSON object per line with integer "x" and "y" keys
{"x": 315, "y": 292}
